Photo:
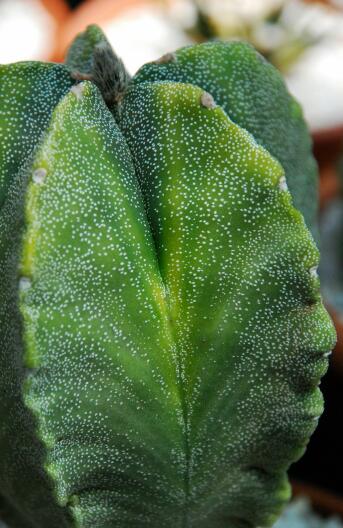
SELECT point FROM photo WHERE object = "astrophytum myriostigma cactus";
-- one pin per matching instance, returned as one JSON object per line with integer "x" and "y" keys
{"x": 162, "y": 331}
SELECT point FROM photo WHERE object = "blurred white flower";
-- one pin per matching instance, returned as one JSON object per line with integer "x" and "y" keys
{"x": 26, "y": 31}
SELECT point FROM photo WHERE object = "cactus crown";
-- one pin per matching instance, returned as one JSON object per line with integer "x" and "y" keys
{"x": 162, "y": 331}
{"x": 93, "y": 59}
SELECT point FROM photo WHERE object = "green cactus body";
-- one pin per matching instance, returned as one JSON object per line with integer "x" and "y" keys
{"x": 80, "y": 56}
{"x": 253, "y": 94}
{"x": 29, "y": 91}
{"x": 161, "y": 324}
{"x": 227, "y": 337}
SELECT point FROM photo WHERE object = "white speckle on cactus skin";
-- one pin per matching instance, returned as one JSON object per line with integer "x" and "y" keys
{"x": 39, "y": 175}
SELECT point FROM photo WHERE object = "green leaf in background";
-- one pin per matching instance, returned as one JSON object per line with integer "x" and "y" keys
{"x": 253, "y": 94}
{"x": 161, "y": 327}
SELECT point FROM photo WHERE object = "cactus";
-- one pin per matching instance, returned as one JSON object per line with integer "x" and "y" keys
{"x": 253, "y": 94}
{"x": 162, "y": 331}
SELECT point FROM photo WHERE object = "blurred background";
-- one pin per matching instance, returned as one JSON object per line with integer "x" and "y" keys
{"x": 304, "y": 40}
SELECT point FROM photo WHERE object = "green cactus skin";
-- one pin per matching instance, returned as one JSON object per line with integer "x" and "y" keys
{"x": 162, "y": 332}
{"x": 91, "y": 57}
{"x": 29, "y": 91}
{"x": 253, "y": 94}
{"x": 227, "y": 337}
{"x": 80, "y": 55}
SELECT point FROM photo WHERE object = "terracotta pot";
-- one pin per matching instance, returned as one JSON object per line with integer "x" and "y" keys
{"x": 329, "y": 186}
{"x": 139, "y": 30}
{"x": 327, "y": 149}
{"x": 93, "y": 12}
{"x": 41, "y": 21}
{"x": 60, "y": 11}
{"x": 328, "y": 144}
{"x": 57, "y": 8}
